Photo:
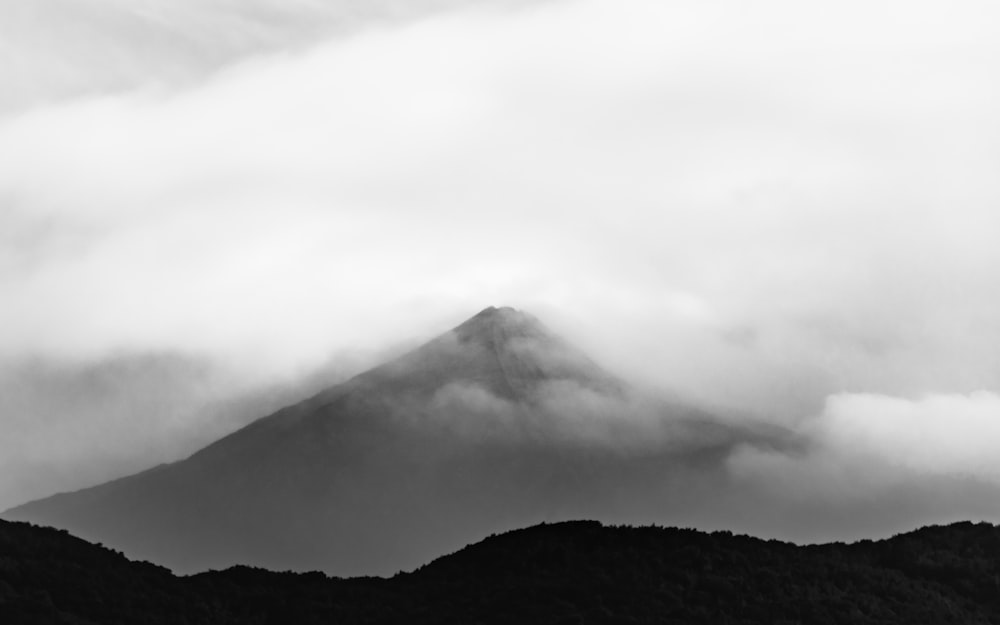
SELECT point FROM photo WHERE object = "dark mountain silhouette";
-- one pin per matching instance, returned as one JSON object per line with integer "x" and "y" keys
{"x": 573, "y": 572}
{"x": 495, "y": 424}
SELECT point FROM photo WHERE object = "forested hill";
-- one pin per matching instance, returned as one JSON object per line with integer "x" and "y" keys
{"x": 576, "y": 572}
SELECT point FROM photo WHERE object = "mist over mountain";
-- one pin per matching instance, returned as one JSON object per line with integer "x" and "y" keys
{"x": 495, "y": 424}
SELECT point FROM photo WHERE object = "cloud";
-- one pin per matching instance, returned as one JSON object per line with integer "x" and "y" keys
{"x": 655, "y": 182}
{"x": 60, "y": 49}
{"x": 936, "y": 434}
{"x": 878, "y": 464}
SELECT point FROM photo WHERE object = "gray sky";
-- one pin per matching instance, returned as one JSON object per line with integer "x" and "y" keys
{"x": 775, "y": 206}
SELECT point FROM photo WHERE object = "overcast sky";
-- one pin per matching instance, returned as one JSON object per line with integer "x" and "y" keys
{"x": 781, "y": 207}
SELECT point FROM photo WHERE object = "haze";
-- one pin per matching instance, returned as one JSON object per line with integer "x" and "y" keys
{"x": 774, "y": 209}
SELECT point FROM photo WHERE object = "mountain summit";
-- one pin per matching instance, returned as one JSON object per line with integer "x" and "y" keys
{"x": 503, "y": 351}
{"x": 479, "y": 430}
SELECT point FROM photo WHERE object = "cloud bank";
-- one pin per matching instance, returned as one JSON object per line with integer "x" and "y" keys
{"x": 875, "y": 439}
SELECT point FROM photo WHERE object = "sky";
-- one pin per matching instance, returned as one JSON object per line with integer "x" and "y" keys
{"x": 209, "y": 209}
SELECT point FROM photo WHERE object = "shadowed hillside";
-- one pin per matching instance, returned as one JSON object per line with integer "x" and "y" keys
{"x": 573, "y": 572}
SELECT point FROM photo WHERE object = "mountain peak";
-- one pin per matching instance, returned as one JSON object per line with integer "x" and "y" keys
{"x": 505, "y": 351}
{"x": 497, "y": 310}
{"x": 492, "y": 324}
{"x": 501, "y": 314}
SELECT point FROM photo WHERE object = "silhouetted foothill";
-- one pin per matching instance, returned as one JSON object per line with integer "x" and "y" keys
{"x": 575, "y": 572}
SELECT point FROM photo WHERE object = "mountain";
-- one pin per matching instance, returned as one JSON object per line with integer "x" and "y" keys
{"x": 573, "y": 572}
{"x": 495, "y": 424}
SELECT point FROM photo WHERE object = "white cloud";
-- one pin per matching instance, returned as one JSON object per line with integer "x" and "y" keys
{"x": 57, "y": 49}
{"x": 955, "y": 434}
{"x": 863, "y": 443}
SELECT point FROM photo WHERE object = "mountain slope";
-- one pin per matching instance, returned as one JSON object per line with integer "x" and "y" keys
{"x": 574, "y": 572}
{"x": 495, "y": 424}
